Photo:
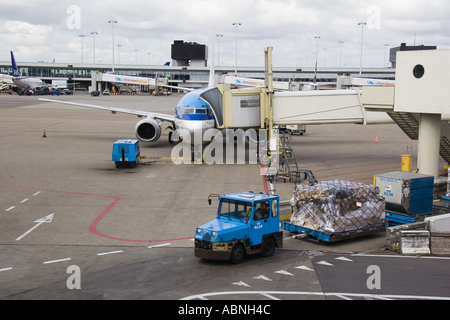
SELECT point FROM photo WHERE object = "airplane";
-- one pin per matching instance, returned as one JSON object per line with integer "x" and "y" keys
{"x": 25, "y": 83}
{"x": 194, "y": 113}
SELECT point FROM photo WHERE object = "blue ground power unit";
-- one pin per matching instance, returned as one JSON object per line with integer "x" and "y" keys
{"x": 126, "y": 152}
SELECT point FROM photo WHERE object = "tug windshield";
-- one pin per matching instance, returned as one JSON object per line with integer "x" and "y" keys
{"x": 235, "y": 209}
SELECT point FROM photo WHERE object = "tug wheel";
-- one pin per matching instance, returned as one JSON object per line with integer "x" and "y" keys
{"x": 237, "y": 254}
{"x": 268, "y": 248}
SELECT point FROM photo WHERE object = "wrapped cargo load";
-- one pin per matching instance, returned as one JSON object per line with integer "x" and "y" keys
{"x": 337, "y": 206}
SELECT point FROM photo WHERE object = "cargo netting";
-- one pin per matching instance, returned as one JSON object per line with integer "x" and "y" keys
{"x": 337, "y": 206}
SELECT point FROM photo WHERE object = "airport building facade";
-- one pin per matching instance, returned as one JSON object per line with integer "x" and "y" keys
{"x": 184, "y": 76}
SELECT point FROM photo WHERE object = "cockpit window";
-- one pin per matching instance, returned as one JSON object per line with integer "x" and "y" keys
{"x": 188, "y": 110}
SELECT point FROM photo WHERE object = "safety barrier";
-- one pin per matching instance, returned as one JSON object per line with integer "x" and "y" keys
{"x": 440, "y": 244}
{"x": 394, "y": 235}
{"x": 415, "y": 242}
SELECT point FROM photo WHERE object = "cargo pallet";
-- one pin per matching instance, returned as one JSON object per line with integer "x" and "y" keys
{"x": 336, "y": 236}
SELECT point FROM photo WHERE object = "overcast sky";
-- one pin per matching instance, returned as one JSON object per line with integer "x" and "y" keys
{"x": 47, "y": 30}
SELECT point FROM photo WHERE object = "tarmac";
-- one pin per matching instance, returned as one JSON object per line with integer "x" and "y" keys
{"x": 69, "y": 175}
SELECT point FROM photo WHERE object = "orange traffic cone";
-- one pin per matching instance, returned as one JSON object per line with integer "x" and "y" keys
{"x": 376, "y": 139}
{"x": 44, "y": 136}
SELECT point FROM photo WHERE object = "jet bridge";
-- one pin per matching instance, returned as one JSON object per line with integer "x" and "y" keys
{"x": 122, "y": 80}
{"x": 418, "y": 102}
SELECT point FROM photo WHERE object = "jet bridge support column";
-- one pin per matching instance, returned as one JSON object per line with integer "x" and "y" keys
{"x": 268, "y": 105}
{"x": 429, "y": 144}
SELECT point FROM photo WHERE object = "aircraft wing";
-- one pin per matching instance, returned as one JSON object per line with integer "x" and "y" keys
{"x": 159, "y": 116}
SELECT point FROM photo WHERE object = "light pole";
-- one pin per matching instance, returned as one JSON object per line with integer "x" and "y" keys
{"x": 317, "y": 50}
{"x": 119, "y": 46}
{"x": 325, "y": 50}
{"x": 236, "y": 24}
{"x": 148, "y": 57}
{"x": 93, "y": 34}
{"x": 218, "y": 48}
{"x": 136, "y": 54}
{"x": 362, "y": 24}
{"x": 340, "y": 55}
{"x": 113, "y": 23}
{"x": 385, "y": 56}
{"x": 82, "y": 36}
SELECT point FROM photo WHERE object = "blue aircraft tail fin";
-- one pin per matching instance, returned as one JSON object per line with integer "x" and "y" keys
{"x": 167, "y": 64}
{"x": 315, "y": 73}
{"x": 16, "y": 72}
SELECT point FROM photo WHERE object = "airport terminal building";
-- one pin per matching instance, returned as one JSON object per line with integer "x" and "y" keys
{"x": 192, "y": 77}
{"x": 188, "y": 69}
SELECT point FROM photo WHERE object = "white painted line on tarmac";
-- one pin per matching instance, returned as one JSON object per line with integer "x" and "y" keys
{"x": 36, "y": 193}
{"x": 403, "y": 257}
{"x": 7, "y": 269}
{"x": 343, "y": 297}
{"x": 324, "y": 263}
{"x": 284, "y": 272}
{"x": 346, "y": 296}
{"x": 55, "y": 261}
{"x": 47, "y": 219}
{"x": 344, "y": 259}
{"x": 24, "y": 200}
{"x": 304, "y": 268}
{"x": 106, "y": 253}
{"x": 9, "y": 209}
{"x": 241, "y": 284}
{"x": 160, "y": 245}
{"x": 269, "y": 296}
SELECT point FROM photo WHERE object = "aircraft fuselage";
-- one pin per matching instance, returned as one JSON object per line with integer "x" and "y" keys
{"x": 25, "y": 83}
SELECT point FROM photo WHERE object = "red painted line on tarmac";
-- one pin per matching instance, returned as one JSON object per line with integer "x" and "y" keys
{"x": 92, "y": 227}
{"x": 266, "y": 186}
{"x": 51, "y": 125}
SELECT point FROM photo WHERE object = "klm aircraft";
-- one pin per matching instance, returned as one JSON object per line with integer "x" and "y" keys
{"x": 198, "y": 111}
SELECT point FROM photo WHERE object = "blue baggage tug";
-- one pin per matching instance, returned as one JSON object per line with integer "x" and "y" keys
{"x": 246, "y": 223}
{"x": 126, "y": 152}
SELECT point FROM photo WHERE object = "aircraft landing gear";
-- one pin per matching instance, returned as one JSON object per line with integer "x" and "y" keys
{"x": 197, "y": 154}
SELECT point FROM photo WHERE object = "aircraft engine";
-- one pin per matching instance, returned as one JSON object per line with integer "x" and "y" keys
{"x": 148, "y": 130}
